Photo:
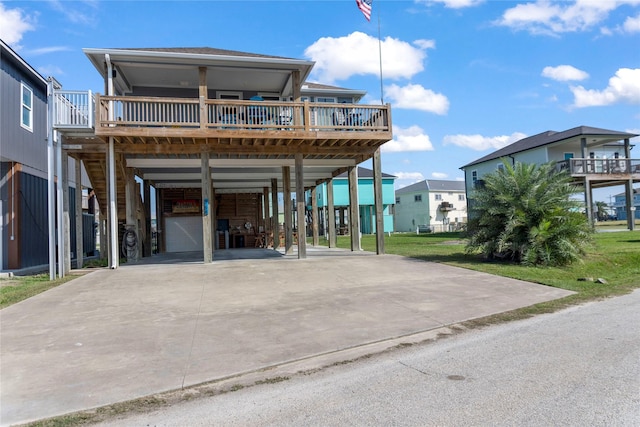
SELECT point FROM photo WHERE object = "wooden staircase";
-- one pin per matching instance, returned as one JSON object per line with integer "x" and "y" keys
{"x": 97, "y": 171}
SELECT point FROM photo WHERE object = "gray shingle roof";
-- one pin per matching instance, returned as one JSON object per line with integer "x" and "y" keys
{"x": 200, "y": 51}
{"x": 364, "y": 173}
{"x": 432, "y": 185}
{"x": 549, "y": 137}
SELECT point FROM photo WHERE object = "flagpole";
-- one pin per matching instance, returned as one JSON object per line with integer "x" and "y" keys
{"x": 380, "y": 57}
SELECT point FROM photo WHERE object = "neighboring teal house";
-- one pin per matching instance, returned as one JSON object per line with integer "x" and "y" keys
{"x": 365, "y": 202}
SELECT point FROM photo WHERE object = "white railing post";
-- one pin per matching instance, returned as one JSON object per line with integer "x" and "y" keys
{"x": 91, "y": 107}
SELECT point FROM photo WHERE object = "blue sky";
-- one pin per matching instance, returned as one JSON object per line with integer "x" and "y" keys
{"x": 464, "y": 77}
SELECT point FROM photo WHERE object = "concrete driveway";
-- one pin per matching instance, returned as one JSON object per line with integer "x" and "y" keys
{"x": 115, "y": 335}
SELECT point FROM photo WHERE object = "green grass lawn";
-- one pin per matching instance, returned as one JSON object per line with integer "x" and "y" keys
{"x": 614, "y": 257}
{"x": 18, "y": 288}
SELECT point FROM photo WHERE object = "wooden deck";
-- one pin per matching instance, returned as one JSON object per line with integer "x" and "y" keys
{"x": 146, "y": 125}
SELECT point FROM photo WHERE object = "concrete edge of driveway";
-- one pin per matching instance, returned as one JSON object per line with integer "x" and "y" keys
{"x": 279, "y": 372}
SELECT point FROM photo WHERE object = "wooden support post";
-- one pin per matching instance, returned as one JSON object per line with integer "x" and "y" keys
{"x": 66, "y": 222}
{"x": 132, "y": 242}
{"x": 202, "y": 96}
{"x": 331, "y": 217}
{"x": 354, "y": 209}
{"x": 79, "y": 216}
{"x": 213, "y": 206}
{"x": 588, "y": 200}
{"x": 379, "y": 204}
{"x": 631, "y": 209}
{"x": 275, "y": 214}
{"x": 288, "y": 211}
{"x": 147, "y": 219}
{"x": 301, "y": 208}
{"x": 265, "y": 214}
{"x": 631, "y": 212}
{"x": 112, "y": 201}
{"x": 314, "y": 215}
{"x": 206, "y": 208}
{"x": 160, "y": 242}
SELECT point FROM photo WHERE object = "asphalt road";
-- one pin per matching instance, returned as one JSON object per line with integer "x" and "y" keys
{"x": 577, "y": 367}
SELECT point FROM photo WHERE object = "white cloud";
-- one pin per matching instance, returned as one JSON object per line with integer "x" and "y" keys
{"x": 439, "y": 175}
{"x": 459, "y": 178}
{"x": 409, "y": 176}
{"x": 555, "y": 17}
{"x": 13, "y": 24}
{"x": 50, "y": 70}
{"x": 406, "y": 178}
{"x": 480, "y": 143}
{"x": 408, "y": 139}
{"x": 456, "y": 4}
{"x": 632, "y": 24}
{"x": 74, "y": 14}
{"x": 623, "y": 87}
{"x": 416, "y": 97}
{"x": 564, "y": 73}
{"x": 47, "y": 50}
{"x": 425, "y": 44}
{"x": 358, "y": 55}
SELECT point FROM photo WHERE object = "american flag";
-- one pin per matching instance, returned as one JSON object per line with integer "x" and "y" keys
{"x": 365, "y": 8}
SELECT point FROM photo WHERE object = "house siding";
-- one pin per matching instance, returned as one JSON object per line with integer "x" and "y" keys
{"x": 366, "y": 201}
{"x": 409, "y": 213}
{"x": 33, "y": 221}
{"x": 17, "y": 143}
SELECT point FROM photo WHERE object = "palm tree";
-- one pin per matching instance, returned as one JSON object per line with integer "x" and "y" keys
{"x": 525, "y": 213}
{"x": 602, "y": 212}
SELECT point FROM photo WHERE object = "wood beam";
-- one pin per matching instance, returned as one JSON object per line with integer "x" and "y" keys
{"x": 354, "y": 209}
{"x": 314, "y": 215}
{"x": 79, "y": 216}
{"x": 301, "y": 208}
{"x": 378, "y": 202}
{"x": 206, "y": 208}
{"x": 275, "y": 214}
{"x": 288, "y": 211}
{"x": 331, "y": 217}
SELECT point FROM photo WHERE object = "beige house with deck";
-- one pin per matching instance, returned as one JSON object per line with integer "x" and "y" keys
{"x": 218, "y": 134}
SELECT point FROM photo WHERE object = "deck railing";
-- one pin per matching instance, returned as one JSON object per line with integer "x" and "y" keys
{"x": 599, "y": 166}
{"x": 73, "y": 109}
{"x": 241, "y": 115}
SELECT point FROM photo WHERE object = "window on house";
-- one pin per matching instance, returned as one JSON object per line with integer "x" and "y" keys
{"x": 461, "y": 197}
{"x": 269, "y": 96}
{"x": 325, "y": 99}
{"x": 26, "y": 115}
{"x": 500, "y": 166}
{"x": 229, "y": 95}
{"x": 397, "y": 200}
{"x": 417, "y": 198}
{"x": 342, "y": 99}
{"x": 438, "y": 196}
{"x": 474, "y": 177}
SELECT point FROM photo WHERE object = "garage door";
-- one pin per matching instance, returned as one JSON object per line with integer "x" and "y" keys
{"x": 184, "y": 234}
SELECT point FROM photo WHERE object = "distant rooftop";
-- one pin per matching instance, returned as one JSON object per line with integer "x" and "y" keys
{"x": 433, "y": 185}
{"x": 365, "y": 173}
{"x": 550, "y": 137}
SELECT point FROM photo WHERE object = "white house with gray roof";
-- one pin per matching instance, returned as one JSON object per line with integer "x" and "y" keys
{"x": 438, "y": 204}
{"x": 594, "y": 157}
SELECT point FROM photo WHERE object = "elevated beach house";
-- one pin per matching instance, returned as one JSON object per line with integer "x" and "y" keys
{"x": 593, "y": 157}
{"x": 217, "y": 135}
